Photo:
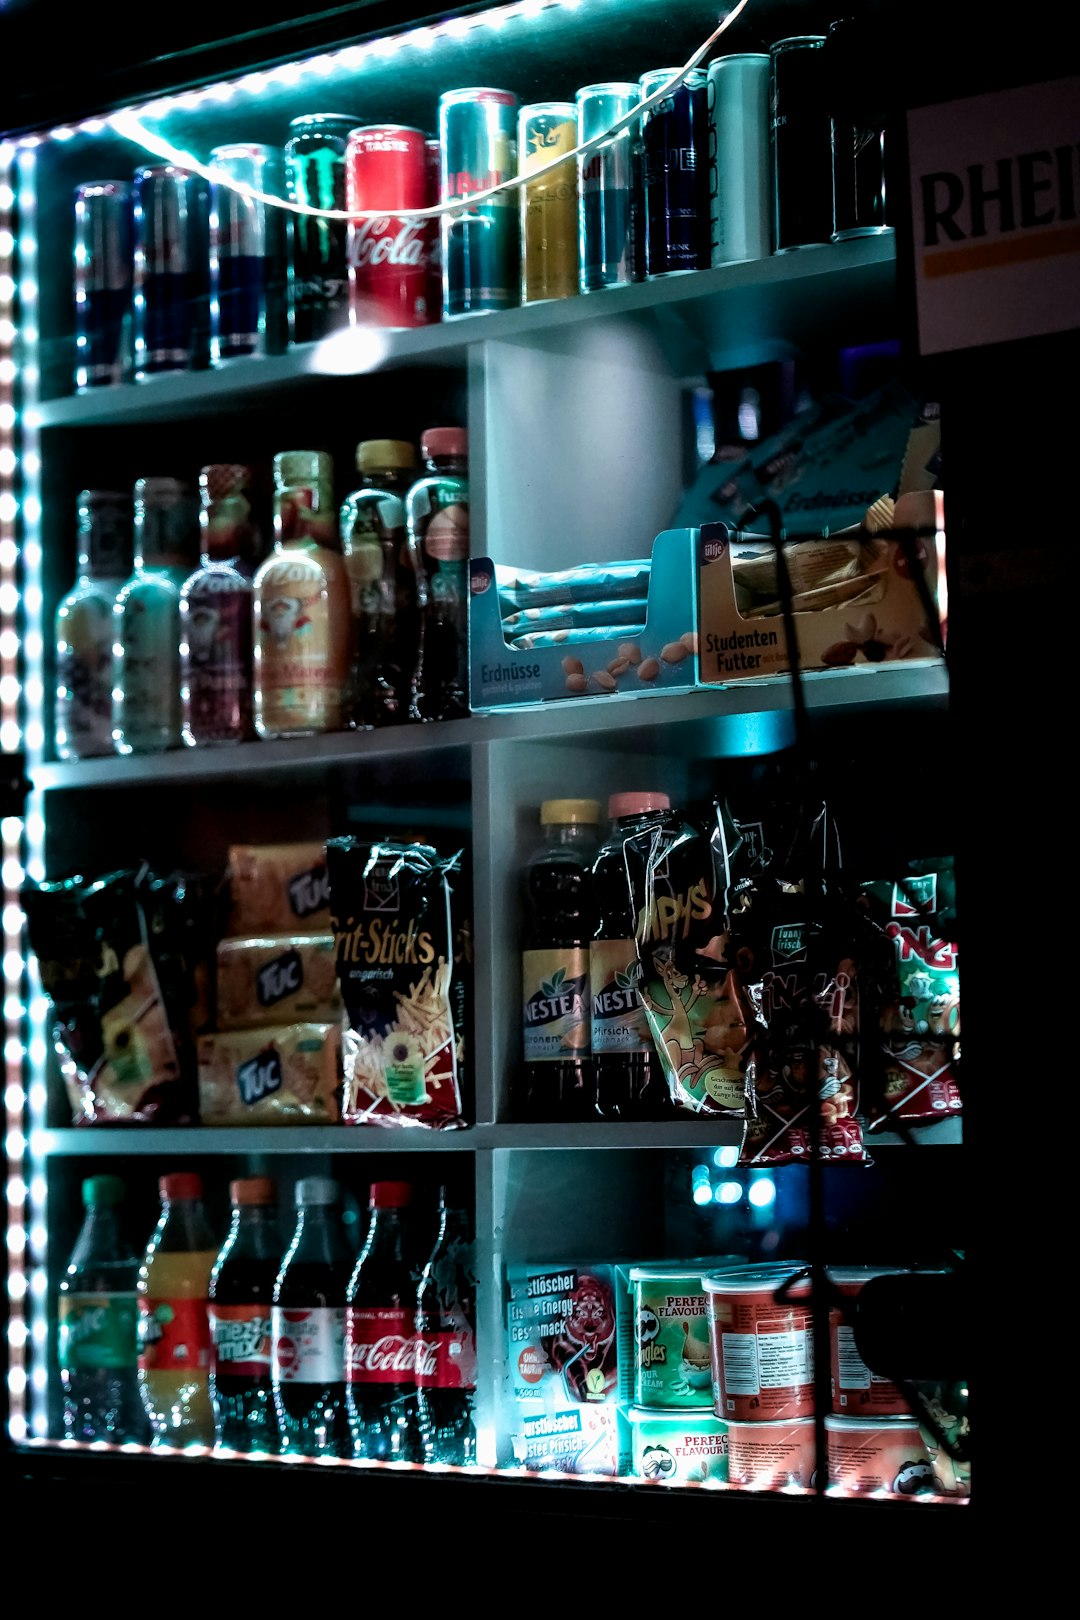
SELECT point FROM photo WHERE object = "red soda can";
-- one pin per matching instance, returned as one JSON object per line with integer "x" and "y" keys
{"x": 434, "y": 235}
{"x": 386, "y": 167}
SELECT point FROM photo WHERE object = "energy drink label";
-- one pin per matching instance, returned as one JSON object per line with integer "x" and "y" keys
{"x": 675, "y": 157}
{"x": 480, "y": 241}
{"x": 247, "y": 241}
{"x": 171, "y": 275}
{"x": 606, "y": 187}
{"x": 549, "y": 205}
{"x": 317, "y": 268}
{"x": 103, "y": 263}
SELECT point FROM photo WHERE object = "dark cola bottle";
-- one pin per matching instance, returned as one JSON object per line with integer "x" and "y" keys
{"x": 446, "y": 1342}
{"x": 380, "y": 1354}
{"x": 241, "y": 1332}
{"x": 308, "y": 1344}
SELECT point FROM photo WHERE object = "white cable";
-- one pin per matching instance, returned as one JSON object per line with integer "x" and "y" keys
{"x": 130, "y": 126}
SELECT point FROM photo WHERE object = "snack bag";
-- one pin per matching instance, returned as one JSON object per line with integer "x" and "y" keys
{"x": 276, "y": 980}
{"x": 278, "y": 889}
{"x": 289, "y": 1075}
{"x": 401, "y": 964}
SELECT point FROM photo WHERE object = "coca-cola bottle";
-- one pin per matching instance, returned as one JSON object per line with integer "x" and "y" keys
{"x": 308, "y": 1331}
{"x": 446, "y": 1342}
{"x": 380, "y": 1356}
{"x": 240, "y": 1302}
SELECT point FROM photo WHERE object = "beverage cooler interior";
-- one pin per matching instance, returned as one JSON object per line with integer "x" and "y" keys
{"x": 594, "y": 423}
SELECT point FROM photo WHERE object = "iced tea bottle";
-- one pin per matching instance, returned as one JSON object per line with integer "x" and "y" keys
{"x": 382, "y": 582}
{"x": 437, "y": 513}
{"x": 302, "y": 611}
{"x": 84, "y": 632}
{"x": 146, "y": 708}
{"x": 215, "y": 613}
{"x": 556, "y": 1079}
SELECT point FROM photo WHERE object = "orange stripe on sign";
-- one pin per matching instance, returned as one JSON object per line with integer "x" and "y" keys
{"x": 1004, "y": 250}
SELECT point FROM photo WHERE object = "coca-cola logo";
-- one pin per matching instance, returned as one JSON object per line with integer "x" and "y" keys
{"x": 392, "y": 1353}
{"x": 426, "y": 1363}
{"x": 387, "y": 240}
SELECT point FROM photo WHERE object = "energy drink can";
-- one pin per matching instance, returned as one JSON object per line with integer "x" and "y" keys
{"x": 480, "y": 241}
{"x": 103, "y": 272}
{"x": 675, "y": 152}
{"x": 860, "y": 193}
{"x": 317, "y": 269}
{"x": 171, "y": 270}
{"x": 248, "y": 312}
{"x": 549, "y": 205}
{"x": 801, "y": 143}
{"x": 739, "y": 157}
{"x": 605, "y": 187}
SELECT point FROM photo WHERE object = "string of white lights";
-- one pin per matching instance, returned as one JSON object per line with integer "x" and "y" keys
{"x": 129, "y": 124}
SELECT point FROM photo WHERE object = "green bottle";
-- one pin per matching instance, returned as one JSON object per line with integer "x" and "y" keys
{"x": 146, "y": 706}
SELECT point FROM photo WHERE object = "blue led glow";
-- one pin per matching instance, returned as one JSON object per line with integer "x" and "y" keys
{"x": 702, "y": 1193}
{"x": 762, "y": 1192}
{"x": 728, "y": 1192}
{"x": 726, "y": 1158}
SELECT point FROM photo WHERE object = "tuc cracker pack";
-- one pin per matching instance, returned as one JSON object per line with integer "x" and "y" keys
{"x": 569, "y": 1353}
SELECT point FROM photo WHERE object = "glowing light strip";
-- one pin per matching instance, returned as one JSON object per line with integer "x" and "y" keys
{"x": 129, "y": 124}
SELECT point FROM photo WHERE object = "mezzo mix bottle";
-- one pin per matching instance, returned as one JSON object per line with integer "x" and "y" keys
{"x": 240, "y": 1303}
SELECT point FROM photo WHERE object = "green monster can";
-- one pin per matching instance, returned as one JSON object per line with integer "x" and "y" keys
{"x": 480, "y": 241}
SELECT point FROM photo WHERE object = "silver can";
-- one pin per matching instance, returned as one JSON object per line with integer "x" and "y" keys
{"x": 739, "y": 201}
{"x": 248, "y": 308}
{"x": 606, "y": 186}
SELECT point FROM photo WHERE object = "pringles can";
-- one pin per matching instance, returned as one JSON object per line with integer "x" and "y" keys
{"x": 387, "y": 168}
{"x": 675, "y": 158}
{"x": 318, "y": 270}
{"x": 761, "y": 1340}
{"x": 480, "y": 241}
{"x": 248, "y": 313}
{"x": 605, "y": 187}
{"x": 171, "y": 269}
{"x": 739, "y": 157}
{"x": 801, "y": 143}
{"x": 103, "y": 281}
{"x": 549, "y": 205}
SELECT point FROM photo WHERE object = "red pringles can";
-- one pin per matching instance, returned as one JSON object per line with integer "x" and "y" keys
{"x": 386, "y": 167}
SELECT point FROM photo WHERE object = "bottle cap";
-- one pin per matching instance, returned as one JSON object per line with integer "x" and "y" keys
{"x": 390, "y": 1195}
{"x": 303, "y": 467}
{"x": 443, "y": 441}
{"x": 253, "y": 1190}
{"x": 374, "y": 454}
{"x": 317, "y": 1190}
{"x": 102, "y": 1192}
{"x": 159, "y": 491}
{"x": 322, "y": 120}
{"x": 569, "y": 812}
{"x": 635, "y": 804}
{"x": 181, "y": 1184}
{"x": 224, "y": 478}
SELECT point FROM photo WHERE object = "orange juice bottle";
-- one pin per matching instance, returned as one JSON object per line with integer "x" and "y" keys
{"x": 303, "y": 623}
{"x": 174, "y": 1325}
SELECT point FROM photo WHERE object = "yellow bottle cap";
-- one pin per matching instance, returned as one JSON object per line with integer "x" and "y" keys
{"x": 373, "y": 454}
{"x": 569, "y": 812}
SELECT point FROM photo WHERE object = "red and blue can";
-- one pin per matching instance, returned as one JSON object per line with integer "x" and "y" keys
{"x": 247, "y": 254}
{"x": 481, "y": 252}
{"x": 605, "y": 186}
{"x": 386, "y": 167}
{"x": 675, "y": 157}
{"x": 103, "y": 274}
{"x": 172, "y": 270}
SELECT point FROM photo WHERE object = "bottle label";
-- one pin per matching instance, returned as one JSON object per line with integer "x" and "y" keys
{"x": 300, "y": 669}
{"x": 174, "y": 1335}
{"x": 147, "y": 671}
{"x": 84, "y": 652}
{"x": 556, "y": 1003}
{"x": 98, "y": 1331}
{"x": 240, "y": 1338}
{"x": 379, "y": 1345}
{"x": 619, "y": 1023}
{"x": 216, "y": 657}
{"x": 446, "y": 1358}
{"x": 307, "y": 1346}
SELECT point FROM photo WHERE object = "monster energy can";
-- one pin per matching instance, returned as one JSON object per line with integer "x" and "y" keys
{"x": 318, "y": 272}
{"x": 606, "y": 186}
{"x": 480, "y": 241}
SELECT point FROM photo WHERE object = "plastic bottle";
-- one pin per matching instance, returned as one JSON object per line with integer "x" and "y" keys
{"x": 241, "y": 1300}
{"x": 174, "y": 1326}
{"x": 83, "y": 626}
{"x": 146, "y": 658}
{"x": 446, "y": 1342}
{"x": 216, "y": 611}
{"x": 380, "y": 1354}
{"x": 437, "y": 514}
{"x": 556, "y": 1079}
{"x": 630, "y": 1080}
{"x": 302, "y": 613}
{"x": 98, "y": 1332}
{"x": 374, "y": 542}
{"x": 308, "y": 1336}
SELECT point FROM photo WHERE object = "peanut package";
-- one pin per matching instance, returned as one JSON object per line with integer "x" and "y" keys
{"x": 288, "y": 1075}
{"x": 278, "y": 889}
{"x": 279, "y": 979}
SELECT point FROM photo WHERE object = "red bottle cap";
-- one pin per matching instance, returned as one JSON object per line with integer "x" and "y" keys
{"x": 390, "y": 1195}
{"x": 182, "y": 1184}
{"x": 253, "y": 1190}
{"x": 443, "y": 441}
{"x": 636, "y": 804}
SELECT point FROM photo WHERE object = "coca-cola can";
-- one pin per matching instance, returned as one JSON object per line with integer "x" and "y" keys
{"x": 386, "y": 167}
{"x": 434, "y": 234}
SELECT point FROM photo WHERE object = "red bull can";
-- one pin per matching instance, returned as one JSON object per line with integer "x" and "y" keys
{"x": 480, "y": 241}
{"x": 606, "y": 187}
{"x": 171, "y": 270}
{"x": 386, "y": 167}
{"x": 248, "y": 311}
{"x": 103, "y": 271}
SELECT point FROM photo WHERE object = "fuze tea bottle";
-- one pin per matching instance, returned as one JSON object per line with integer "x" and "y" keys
{"x": 174, "y": 1322}
{"x": 302, "y": 613}
{"x": 382, "y": 581}
{"x": 630, "y": 1080}
{"x": 84, "y": 626}
{"x": 556, "y": 1077}
{"x": 437, "y": 513}
{"x": 146, "y": 704}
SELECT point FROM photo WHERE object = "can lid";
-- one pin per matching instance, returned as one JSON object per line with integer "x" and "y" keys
{"x": 861, "y": 1274}
{"x": 390, "y": 1195}
{"x": 103, "y": 497}
{"x": 375, "y": 131}
{"x": 322, "y": 119}
{"x": 795, "y": 40}
{"x": 687, "y": 1419}
{"x": 614, "y": 87}
{"x": 690, "y": 1271}
{"x": 317, "y": 1190}
{"x": 505, "y": 98}
{"x": 223, "y": 478}
{"x": 372, "y": 454}
{"x": 635, "y": 804}
{"x": 757, "y": 1279}
{"x": 548, "y": 109}
{"x": 181, "y": 1184}
{"x": 303, "y": 467}
{"x": 749, "y": 1427}
{"x": 160, "y": 489}
{"x": 242, "y": 149}
{"x": 102, "y": 1192}
{"x": 739, "y": 56}
{"x": 866, "y": 1425}
{"x": 253, "y": 1190}
{"x": 104, "y": 188}
{"x": 444, "y": 441}
{"x": 695, "y": 78}
{"x": 569, "y": 812}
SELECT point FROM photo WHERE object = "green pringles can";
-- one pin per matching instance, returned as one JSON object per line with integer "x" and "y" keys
{"x": 481, "y": 253}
